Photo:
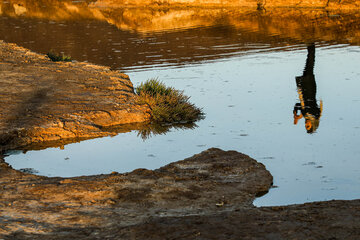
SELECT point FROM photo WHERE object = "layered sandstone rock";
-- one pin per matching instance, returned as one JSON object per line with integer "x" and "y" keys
{"x": 44, "y": 101}
{"x": 214, "y": 181}
{"x": 207, "y": 196}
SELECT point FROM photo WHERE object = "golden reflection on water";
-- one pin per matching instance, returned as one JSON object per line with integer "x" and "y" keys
{"x": 144, "y": 131}
{"x": 297, "y": 24}
{"x": 130, "y": 37}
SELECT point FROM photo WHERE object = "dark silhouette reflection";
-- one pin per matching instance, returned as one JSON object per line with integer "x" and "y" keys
{"x": 306, "y": 87}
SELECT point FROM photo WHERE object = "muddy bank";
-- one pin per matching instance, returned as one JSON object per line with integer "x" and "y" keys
{"x": 44, "y": 101}
{"x": 207, "y": 196}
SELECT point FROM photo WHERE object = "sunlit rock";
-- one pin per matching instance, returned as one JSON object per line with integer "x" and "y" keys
{"x": 45, "y": 101}
{"x": 19, "y": 10}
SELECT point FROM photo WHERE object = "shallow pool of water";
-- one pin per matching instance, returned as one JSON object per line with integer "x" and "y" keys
{"x": 247, "y": 87}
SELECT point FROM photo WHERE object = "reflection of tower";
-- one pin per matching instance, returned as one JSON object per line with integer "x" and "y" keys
{"x": 306, "y": 87}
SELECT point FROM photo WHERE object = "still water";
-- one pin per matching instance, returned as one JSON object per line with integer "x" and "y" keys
{"x": 247, "y": 73}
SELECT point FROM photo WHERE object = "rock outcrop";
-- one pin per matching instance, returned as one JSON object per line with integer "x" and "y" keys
{"x": 211, "y": 182}
{"x": 44, "y": 101}
{"x": 207, "y": 196}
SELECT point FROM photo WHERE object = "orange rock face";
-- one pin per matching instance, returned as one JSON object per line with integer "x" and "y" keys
{"x": 47, "y": 101}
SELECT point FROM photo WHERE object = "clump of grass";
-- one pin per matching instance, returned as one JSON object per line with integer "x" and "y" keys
{"x": 167, "y": 104}
{"x": 57, "y": 57}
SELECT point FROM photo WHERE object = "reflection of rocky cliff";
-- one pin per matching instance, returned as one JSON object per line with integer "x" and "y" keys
{"x": 48, "y": 9}
{"x": 64, "y": 8}
{"x": 126, "y": 37}
{"x": 295, "y": 24}
{"x": 231, "y": 3}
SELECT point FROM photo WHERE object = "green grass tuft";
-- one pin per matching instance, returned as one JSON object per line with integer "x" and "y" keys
{"x": 167, "y": 104}
{"x": 55, "y": 57}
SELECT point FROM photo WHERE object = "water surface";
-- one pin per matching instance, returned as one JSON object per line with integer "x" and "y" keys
{"x": 241, "y": 69}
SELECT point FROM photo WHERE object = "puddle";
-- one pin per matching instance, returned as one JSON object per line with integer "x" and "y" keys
{"x": 245, "y": 81}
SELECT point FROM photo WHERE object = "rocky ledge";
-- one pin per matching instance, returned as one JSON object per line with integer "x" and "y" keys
{"x": 45, "y": 101}
{"x": 207, "y": 196}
